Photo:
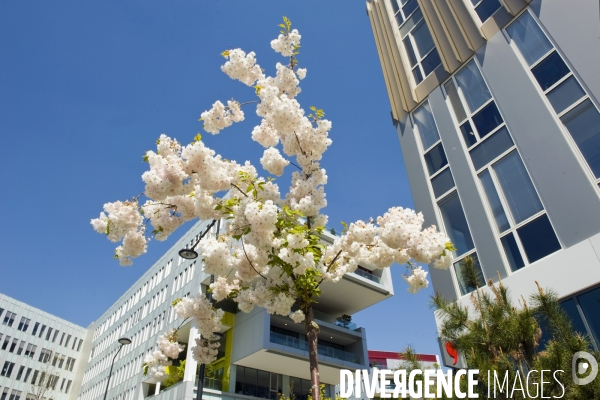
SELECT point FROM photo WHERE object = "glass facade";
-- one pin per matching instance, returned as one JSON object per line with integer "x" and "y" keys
{"x": 566, "y": 96}
{"x": 417, "y": 41}
{"x": 526, "y": 234}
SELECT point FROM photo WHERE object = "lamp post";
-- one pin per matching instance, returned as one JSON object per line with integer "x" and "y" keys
{"x": 123, "y": 341}
{"x": 191, "y": 254}
{"x": 201, "y": 374}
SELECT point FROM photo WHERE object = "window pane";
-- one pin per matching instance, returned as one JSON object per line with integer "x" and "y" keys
{"x": 487, "y": 119}
{"x": 565, "y": 94}
{"x": 473, "y": 87}
{"x": 538, "y": 238}
{"x": 529, "y": 38}
{"x": 570, "y": 307}
{"x": 491, "y": 148}
{"x": 409, "y": 51}
{"x": 468, "y": 134}
{"x": 411, "y": 22}
{"x": 494, "y": 201}
{"x": 469, "y": 280}
{"x": 456, "y": 224}
{"x": 590, "y": 304}
{"x": 418, "y": 75}
{"x": 549, "y": 71}
{"x": 486, "y": 8}
{"x": 436, "y": 159}
{"x": 583, "y": 123}
{"x": 442, "y": 183}
{"x": 457, "y": 106}
{"x": 518, "y": 190}
{"x": 426, "y": 125}
{"x": 423, "y": 39}
{"x": 409, "y": 7}
{"x": 512, "y": 252}
{"x": 431, "y": 62}
{"x": 395, "y": 6}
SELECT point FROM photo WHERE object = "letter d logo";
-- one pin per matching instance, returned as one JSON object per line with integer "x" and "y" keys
{"x": 583, "y": 367}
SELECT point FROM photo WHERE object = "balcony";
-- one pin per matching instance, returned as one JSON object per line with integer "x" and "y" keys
{"x": 368, "y": 275}
{"x": 302, "y": 344}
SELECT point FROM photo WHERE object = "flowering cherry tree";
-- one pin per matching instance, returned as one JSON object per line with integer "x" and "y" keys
{"x": 270, "y": 253}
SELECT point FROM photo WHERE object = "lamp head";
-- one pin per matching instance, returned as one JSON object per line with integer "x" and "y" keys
{"x": 188, "y": 254}
{"x": 124, "y": 341}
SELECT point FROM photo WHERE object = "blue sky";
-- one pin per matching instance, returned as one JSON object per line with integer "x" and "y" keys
{"x": 87, "y": 88}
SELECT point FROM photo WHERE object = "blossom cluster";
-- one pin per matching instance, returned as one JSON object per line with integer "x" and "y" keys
{"x": 267, "y": 238}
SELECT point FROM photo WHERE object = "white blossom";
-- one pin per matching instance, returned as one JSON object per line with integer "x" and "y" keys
{"x": 417, "y": 280}
{"x": 297, "y": 316}
{"x": 273, "y": 162}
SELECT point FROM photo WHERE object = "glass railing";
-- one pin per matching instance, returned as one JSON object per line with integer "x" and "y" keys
{"x": 367, "y": 275}
{"x": 350, "y": 325}
{"x": 210, "y": 383}
{"x": 302, "y": 344}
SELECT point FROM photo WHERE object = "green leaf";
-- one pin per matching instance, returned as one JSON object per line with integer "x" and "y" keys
{"x": 198, "y": 137}
{"x": 145, "y": 157}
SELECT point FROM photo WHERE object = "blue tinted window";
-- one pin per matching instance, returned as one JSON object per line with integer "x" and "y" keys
{"x": 487, "y": 119}
{"x": 549, "y": 71}
{"x": 409, "y": 51}
{"x": 583, "y": 123}
{"x": 491, "y": 148}
{"x": 423, "y": 39}
{"x": 512, "y": 252}
{"x": 529, "y": 38}
{"x": 487, "y": 8}
{"x": 570, "y": 307}
{"x": 409, "y": 7}
{"x": 472, "y": 85}
{"x": 456, "y": 224}
{"x": 538, "y": 238}
{"x": 442, "y": 183}
{"x": 431, "y": 62}
{"x": 565, "y": 94}
{"x": 590, "y": 305}
{"x": 494, "y": 201}
{"x": 436, "y": 159}
{"x": 426, "y": 126}
{"x": 468, "y": 134}
{"x": 517, "y": 187}
{"x": 465, "y": 286}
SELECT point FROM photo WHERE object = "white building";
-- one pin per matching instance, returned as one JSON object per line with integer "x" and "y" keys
{"x": 261, "y": 355}
{"x": 495, "y": 104}
{"x": 35, "y": 345}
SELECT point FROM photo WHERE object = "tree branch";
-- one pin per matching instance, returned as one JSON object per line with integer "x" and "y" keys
{"x": 241, "y": 191}
{"x": 244, "y": 248}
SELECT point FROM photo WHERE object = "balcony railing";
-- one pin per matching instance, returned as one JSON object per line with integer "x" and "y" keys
{"x": 367, "y": 275}
{"x": 351, "y": 325}
{"x": 302, "y": 344}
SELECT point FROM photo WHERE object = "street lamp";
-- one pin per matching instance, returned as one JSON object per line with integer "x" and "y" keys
{"x": 201, "y": 374}
{"x": 190, "y": 254}
{"x": 123, "y": 341}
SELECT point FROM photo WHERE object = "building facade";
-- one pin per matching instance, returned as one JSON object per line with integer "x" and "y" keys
{"x": 495, "y": 103}
{"x": 260, "y": 355}
{"x": 38, "y": 349}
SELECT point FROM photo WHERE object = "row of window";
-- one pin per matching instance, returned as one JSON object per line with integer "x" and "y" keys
{"x": 417, "y": 41}
{"x": 571, "y": 103}
{"x": 269, "y": 385}
{"x": 134, "y": 298}
{"x": 525, "y": 232}
{"x": 39, "y": 329}
{"x": 45, "y": 379}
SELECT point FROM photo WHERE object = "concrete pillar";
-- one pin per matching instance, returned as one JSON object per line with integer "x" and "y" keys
{"x": 190, "y": 364}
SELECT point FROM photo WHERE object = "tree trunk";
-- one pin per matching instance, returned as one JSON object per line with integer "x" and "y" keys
{"x": 312, "y": 332}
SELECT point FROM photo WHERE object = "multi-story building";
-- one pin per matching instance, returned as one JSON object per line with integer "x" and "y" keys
{"x": 39, "y": 350}
{"x": 261, "y": 355}
{"x": 495, "y": 103}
